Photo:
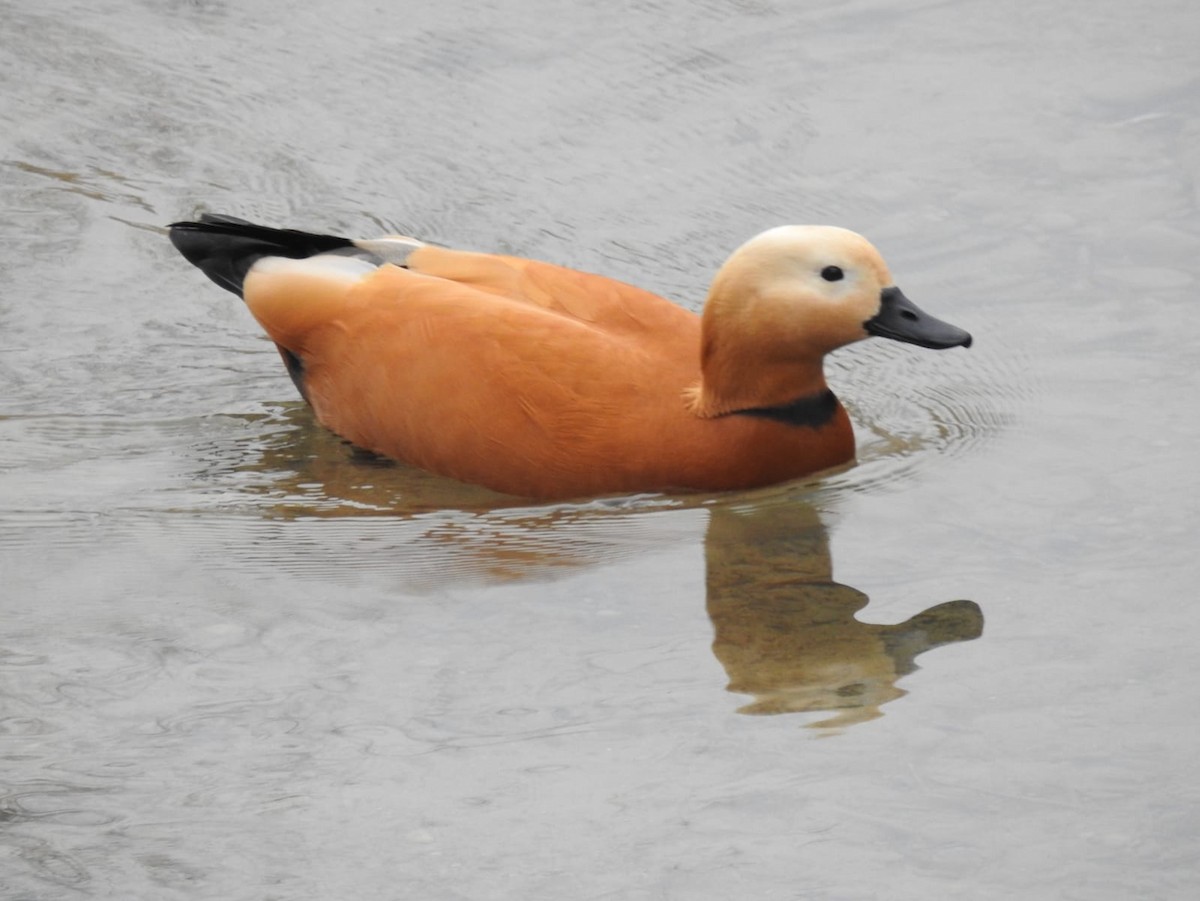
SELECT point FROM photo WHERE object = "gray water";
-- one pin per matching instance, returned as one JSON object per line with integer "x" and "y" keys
{"x": 238, "y": 661}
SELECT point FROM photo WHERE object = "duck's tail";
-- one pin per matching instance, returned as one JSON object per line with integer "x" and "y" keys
{"x": 225, "y": 247}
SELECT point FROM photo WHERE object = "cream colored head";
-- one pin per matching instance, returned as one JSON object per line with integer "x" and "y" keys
{"x": 781, "y": 302}
{"x": 800, "y": 289}
{"x": 786, "y": 298}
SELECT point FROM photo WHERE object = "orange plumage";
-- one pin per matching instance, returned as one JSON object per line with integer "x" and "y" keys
{"x": 541, "y": 381}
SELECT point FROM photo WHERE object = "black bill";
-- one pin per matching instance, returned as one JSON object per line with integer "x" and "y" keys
{"x": 902, "y": 320}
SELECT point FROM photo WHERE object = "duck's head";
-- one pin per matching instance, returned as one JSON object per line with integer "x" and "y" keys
{"x": 789, "y": 296}
{"x": 823, "y": 287}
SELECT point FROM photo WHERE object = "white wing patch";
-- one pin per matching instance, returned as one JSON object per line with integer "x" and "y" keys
{"x": 333, "y": 266}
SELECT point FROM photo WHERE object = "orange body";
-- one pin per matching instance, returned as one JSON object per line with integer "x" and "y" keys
{"x": 527, "y": 378}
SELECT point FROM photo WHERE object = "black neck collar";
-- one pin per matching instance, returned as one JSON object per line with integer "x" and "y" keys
{"x": 811, "y": 411}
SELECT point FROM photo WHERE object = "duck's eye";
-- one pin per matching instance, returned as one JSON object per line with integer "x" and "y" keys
{"x": 832, "y": 273}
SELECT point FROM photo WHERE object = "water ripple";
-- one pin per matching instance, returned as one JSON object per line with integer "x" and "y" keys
{"x": 274, "y": 489}
{"x": 913, "y": 411}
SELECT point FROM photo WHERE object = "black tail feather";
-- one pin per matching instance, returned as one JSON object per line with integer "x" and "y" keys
{"x": 225, "y": 247}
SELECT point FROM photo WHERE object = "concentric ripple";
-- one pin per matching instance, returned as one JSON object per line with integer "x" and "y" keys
{"x": 913, "y": 410}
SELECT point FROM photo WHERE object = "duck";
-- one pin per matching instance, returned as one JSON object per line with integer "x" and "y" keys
{"x": 543, "y": 382}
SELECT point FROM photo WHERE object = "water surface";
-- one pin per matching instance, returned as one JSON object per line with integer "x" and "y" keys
{"x": 238, "y": 660}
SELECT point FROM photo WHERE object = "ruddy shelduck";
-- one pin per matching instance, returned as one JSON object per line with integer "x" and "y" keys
{"x": 540, "y": 381}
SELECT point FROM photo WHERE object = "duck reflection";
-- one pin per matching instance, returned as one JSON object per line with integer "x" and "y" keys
{"x": 785, "y": 632}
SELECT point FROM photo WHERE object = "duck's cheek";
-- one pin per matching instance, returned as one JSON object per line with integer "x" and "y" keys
{"x": 829, "y": 334}
{"x": 862, "y": 308}
{"x": 852, "y": 314}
